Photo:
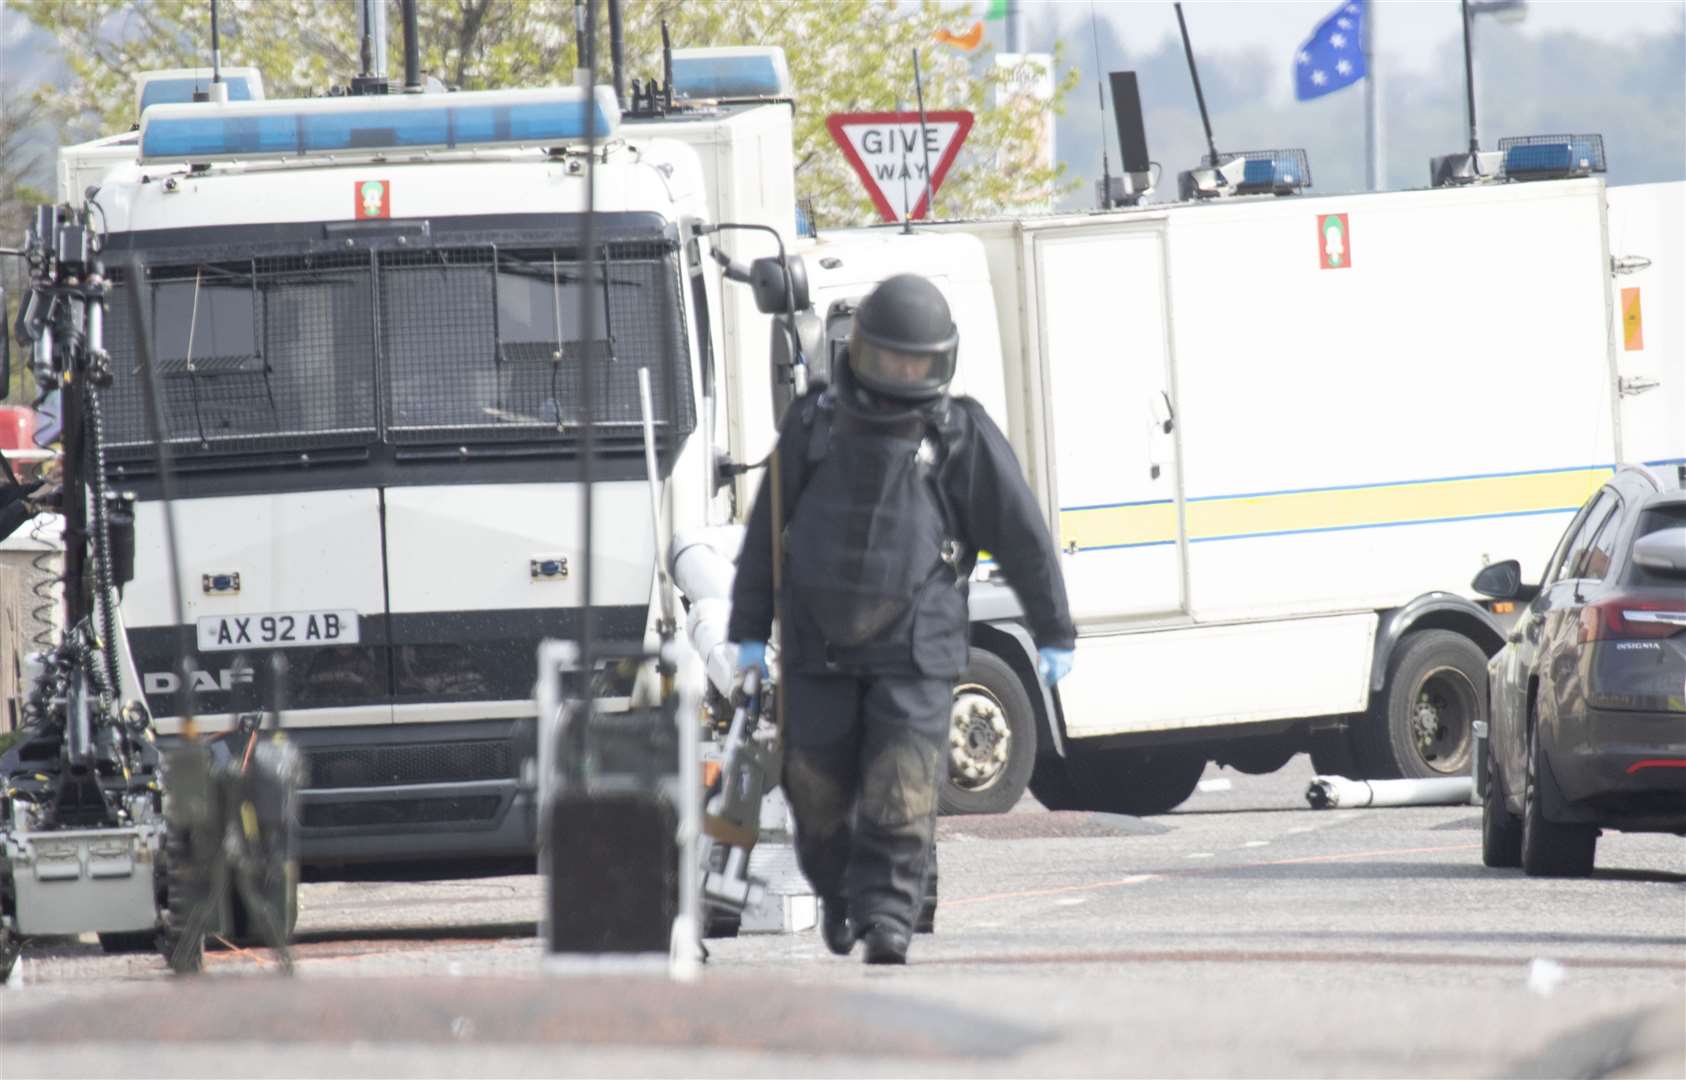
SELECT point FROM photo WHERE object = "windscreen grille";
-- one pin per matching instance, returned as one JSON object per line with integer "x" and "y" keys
{"x": 487, "y": 343}
{"x": 451, "y": 345}
{"x": 393, "y": 813}
{"x": 391, "y": 766}
{"x": 270, "y": 353}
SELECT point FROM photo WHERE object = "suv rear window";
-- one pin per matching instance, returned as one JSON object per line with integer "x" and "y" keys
{"x": 1655, "y": 519}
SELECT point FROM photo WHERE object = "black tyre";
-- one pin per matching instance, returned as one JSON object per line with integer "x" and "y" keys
{"x": 1331, "y": 754}
{"x": 926, "y": 923}
{"x": 1050, "y": 782}
{"x": 1258, "y": 757}
{"x": 1501, "y": 830}
{"x": 135, "y": 941}
{"x": 1550, "y": 849}
{"x": 720, "y": 922}
{"x": 10, "y": 948}
{"x": 992, "y": 739}
{"x": 1422, "y": 724}
{"x": 1150, "y": 781}
{"x": 182, "y": 941}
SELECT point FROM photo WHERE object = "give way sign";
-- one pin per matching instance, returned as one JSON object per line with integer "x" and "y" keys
{"x": 887, "y": 151}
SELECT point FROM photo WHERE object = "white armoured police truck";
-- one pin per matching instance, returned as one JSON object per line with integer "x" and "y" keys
{"x": 367, "y": 314}
{"x": 1275, "y": 437}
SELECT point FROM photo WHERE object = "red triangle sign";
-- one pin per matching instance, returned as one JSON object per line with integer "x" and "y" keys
{"x": 885, "y": 150}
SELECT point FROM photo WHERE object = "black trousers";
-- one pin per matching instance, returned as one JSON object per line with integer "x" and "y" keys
{"x": 863, "y": 758}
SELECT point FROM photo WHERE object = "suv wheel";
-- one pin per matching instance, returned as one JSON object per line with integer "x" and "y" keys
{"x": 1548, "y": 848}
{"x": 1501, "y": 831}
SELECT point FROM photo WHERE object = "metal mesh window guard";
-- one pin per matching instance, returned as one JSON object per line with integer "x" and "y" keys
{"x": 484, "y": 343}
{"x": 470, "y": 343}
{"x": 271, "y": 353}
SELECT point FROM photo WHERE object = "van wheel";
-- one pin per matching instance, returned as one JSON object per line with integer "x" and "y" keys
{"x": 1550, "y": 849}
{"x": 11, "y": 947}
{"x": 1422, "y": 725}
{"x": 991, "y": 741}
{"x": 127, "y": 942}
{"x": 1051, "y": 783}
{"x": 1258, "y": 757}
{"x": 1501, "y": 832}
{"x": 1148, "y": 781}
{"x": 1332, "y": 755}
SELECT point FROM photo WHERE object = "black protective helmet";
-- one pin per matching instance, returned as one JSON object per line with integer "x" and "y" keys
{"x": 905, "y": 342}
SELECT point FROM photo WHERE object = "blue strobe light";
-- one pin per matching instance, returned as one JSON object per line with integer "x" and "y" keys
{"x": 371, "y": 126}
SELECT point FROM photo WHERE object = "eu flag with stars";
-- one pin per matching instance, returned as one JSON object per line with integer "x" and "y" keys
{"x": 1333, "y": 56}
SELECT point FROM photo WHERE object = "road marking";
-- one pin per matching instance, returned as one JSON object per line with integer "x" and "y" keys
{"x": 1255, "y": 843}
{"x": 1340, "y": 856}
{"x": 1137, "y": 879}
{"x": 1199, "y": 855}
{"x": 1133, "y": 879}
{"x": 1220, "y": 783}
{"x": 1071, "y": 901}
{"x": 1318, "y": 956}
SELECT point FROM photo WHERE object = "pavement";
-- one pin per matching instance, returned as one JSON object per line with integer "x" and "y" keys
{"x": 1243, "y": 935}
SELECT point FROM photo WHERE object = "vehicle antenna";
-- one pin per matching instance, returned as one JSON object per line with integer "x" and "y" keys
{"x": 1199, "y": 97}
{"x": 412, "y": 47}
{"x": 1100, "y": 99}
{"x": 924, "y": 142}
{"x": 366, "y": 46}
{"x": 1469, "y": 88}
{"x": 907, "y": 201}
{"x": 216, "y": 49}
{"x": 617, "y": 51}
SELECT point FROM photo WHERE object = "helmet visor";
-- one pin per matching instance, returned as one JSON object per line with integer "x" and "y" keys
{"x": 898, "y": 373}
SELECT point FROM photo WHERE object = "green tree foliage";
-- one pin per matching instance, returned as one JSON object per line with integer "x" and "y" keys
{"x": 20, "y": 154}
{"x": 845, "y": 56}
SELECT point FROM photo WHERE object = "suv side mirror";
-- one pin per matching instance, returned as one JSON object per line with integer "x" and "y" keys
{"x": 767, "y": 283}
{"x": 1663, "y": 551}
{"x": 1503, "y": 581}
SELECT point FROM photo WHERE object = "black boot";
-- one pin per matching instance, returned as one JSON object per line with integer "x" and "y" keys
{"x": 834, "y": 927}
{"x": 885, "y": 945}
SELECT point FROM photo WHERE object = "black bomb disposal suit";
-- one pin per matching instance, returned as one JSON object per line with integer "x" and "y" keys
{"x": 887, "y": 504}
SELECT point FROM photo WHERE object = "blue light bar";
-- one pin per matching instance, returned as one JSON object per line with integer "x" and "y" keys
{"x": 375, "y": 125}
{"x": 1546, "y": 157}
{"x": 741, "y": 72}
{"x": 1280, "y": 172}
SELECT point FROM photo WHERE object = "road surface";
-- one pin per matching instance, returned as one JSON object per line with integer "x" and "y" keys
{"x": 1244, "y": 934}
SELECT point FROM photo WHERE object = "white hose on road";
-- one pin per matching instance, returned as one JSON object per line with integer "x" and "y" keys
{"x": 1331, "y": 792}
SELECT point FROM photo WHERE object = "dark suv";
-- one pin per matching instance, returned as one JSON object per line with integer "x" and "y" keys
{"x": 1587, "y": 725}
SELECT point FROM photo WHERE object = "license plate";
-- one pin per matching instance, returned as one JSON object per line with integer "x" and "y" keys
{"x": 277, "y": 630}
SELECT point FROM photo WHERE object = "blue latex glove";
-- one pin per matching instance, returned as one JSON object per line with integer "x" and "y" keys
{"x": 1054, "y": 664}
{"x": 752, "y": 654}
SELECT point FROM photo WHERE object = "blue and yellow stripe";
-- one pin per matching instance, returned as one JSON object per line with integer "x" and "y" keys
{"x": 1332, "y": 509}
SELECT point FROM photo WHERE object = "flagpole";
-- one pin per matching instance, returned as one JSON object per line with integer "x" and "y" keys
{"x": 1374, "y": 152}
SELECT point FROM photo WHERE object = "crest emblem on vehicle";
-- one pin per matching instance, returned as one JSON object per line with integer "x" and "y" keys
{"x": 1334, "y": 243}
{"x": 374, "y": 199}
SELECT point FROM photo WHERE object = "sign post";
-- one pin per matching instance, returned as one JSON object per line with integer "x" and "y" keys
{"x": 885, "y": 150}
